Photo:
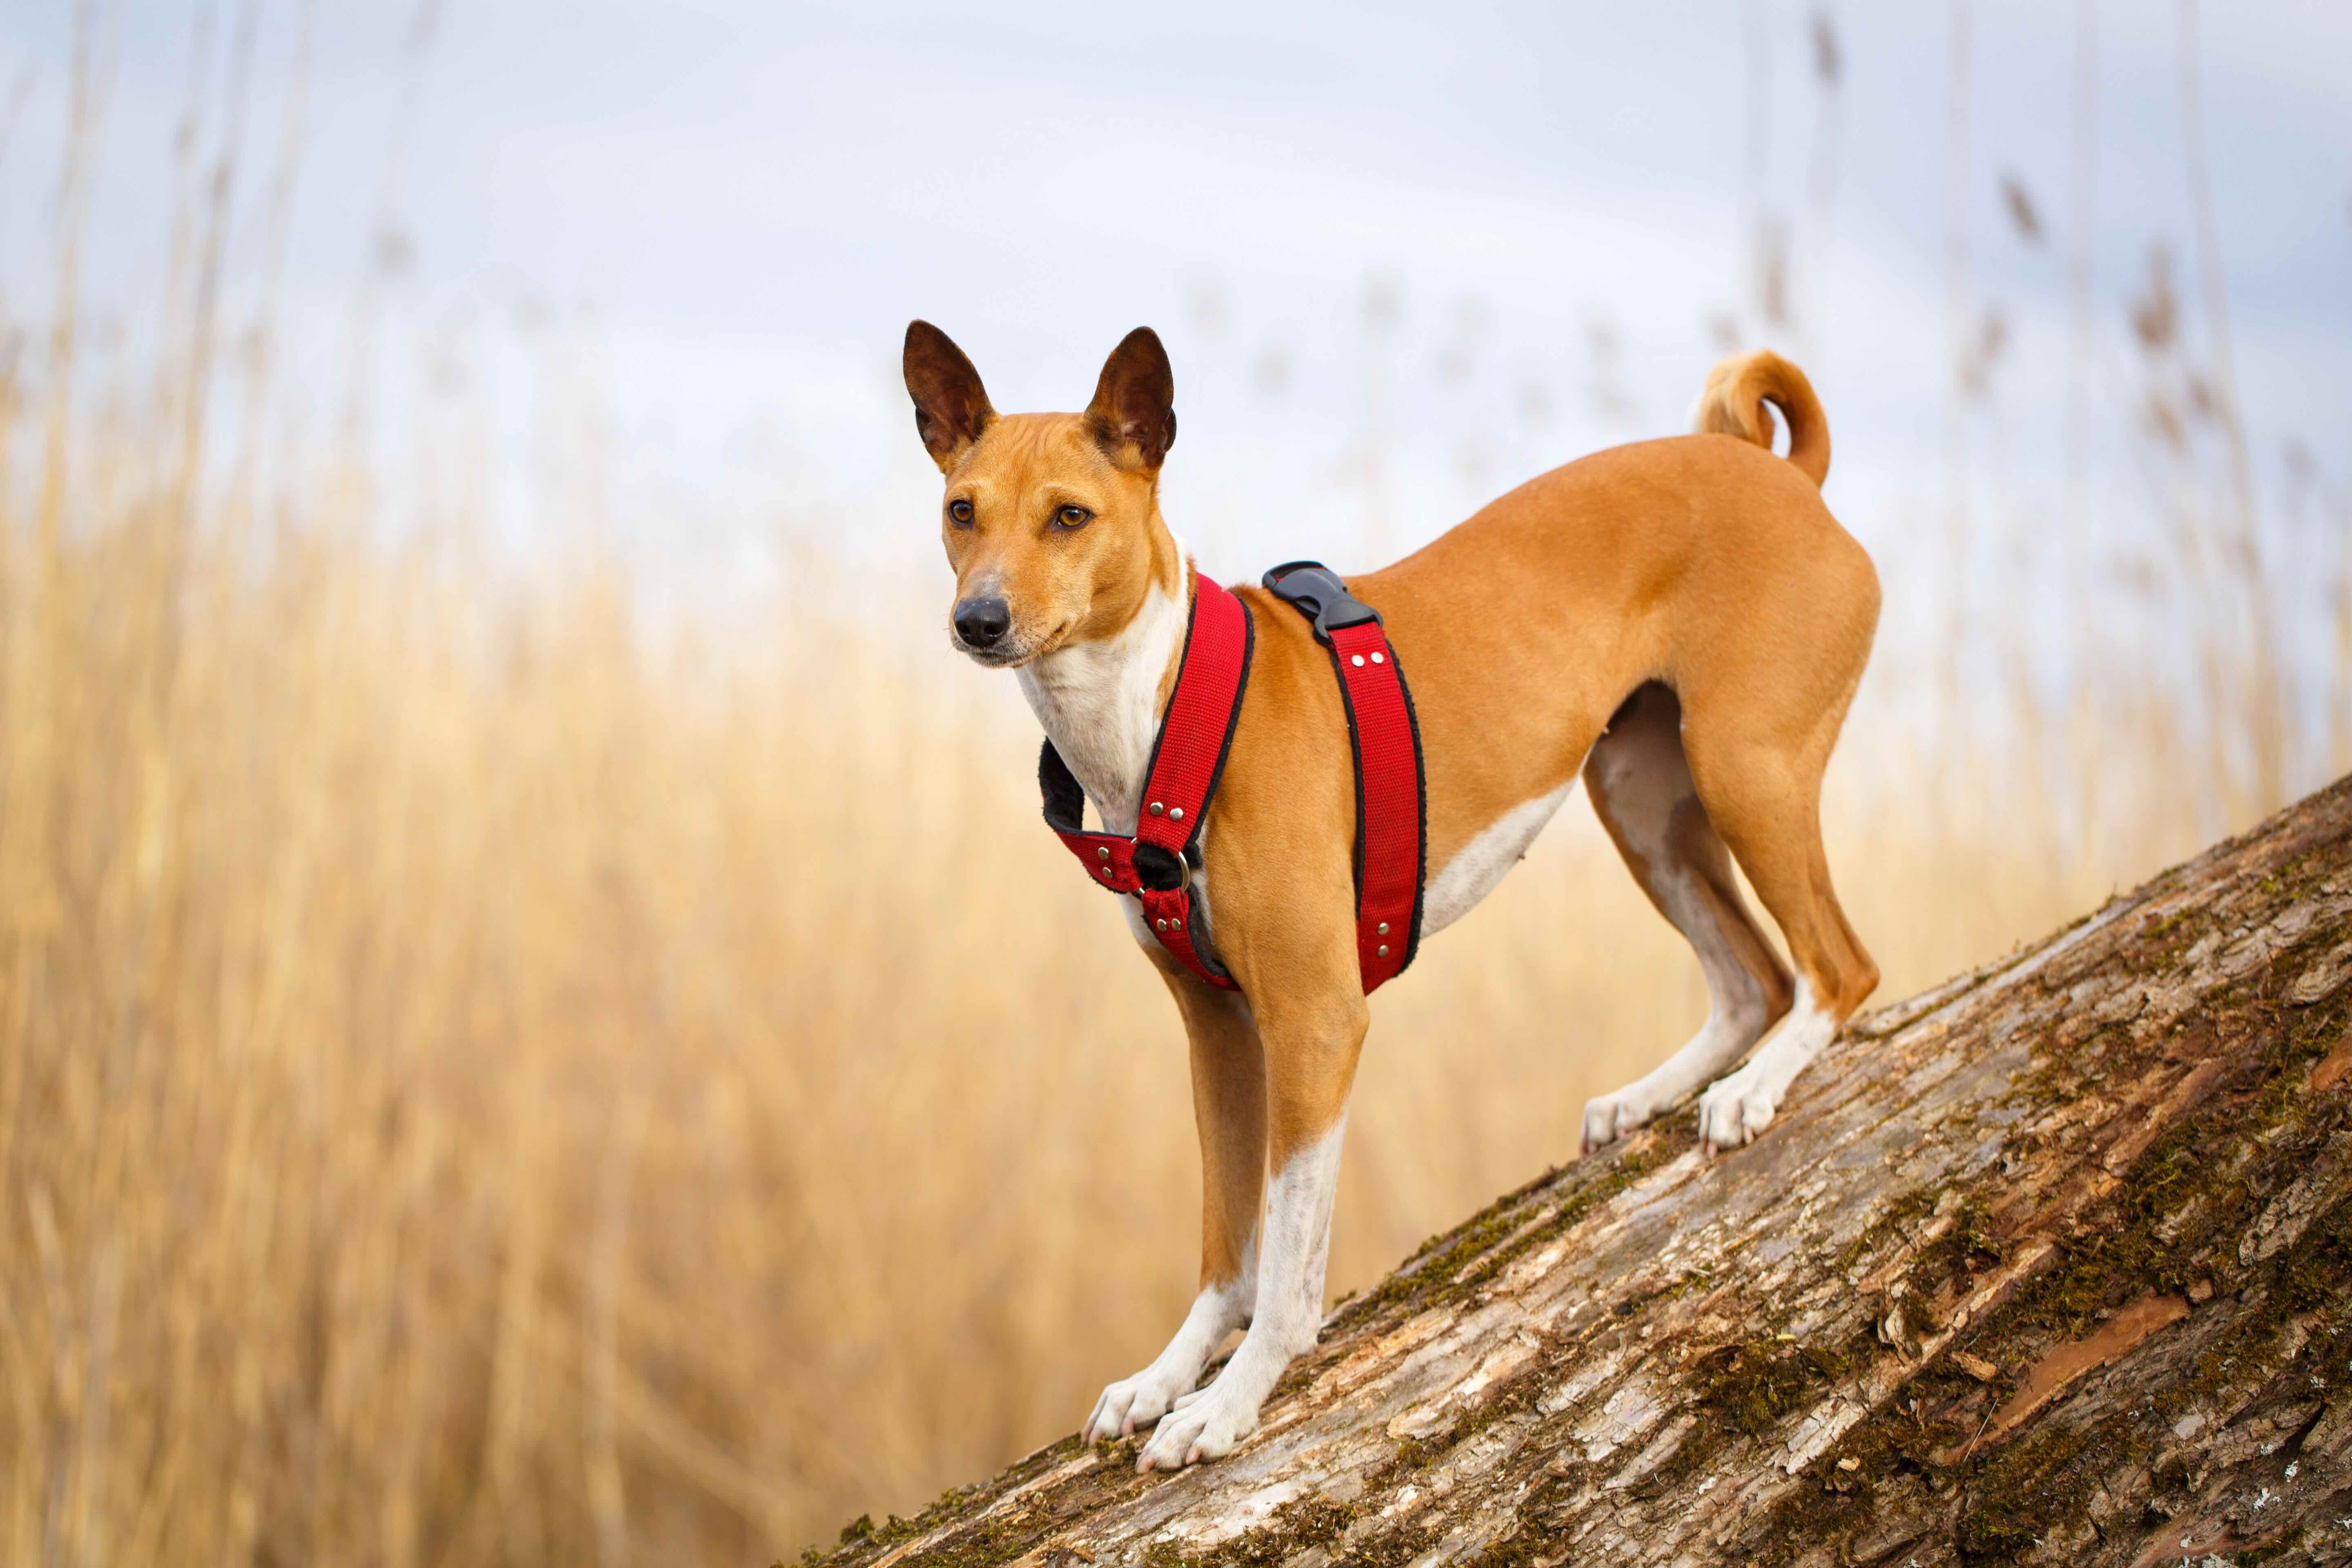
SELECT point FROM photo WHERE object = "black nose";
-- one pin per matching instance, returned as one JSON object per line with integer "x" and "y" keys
{"x": 982, "y": 622}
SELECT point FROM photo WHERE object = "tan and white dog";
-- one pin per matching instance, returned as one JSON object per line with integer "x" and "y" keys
{"x": 1682, "y": 620}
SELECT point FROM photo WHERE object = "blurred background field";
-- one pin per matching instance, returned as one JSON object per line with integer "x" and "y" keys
{"x": 537, "y": 1021}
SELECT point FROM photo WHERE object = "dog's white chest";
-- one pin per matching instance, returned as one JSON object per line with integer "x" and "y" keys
{"x": 1099, "y": 704}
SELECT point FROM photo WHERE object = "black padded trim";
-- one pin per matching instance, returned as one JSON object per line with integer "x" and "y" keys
{"x": 1421, "y": 791}
{"x": 1065, "y": 799}
{"x": 1232, "y": 722}
{"x": 1355, "y": 758}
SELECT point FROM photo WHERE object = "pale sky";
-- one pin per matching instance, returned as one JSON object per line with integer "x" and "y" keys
{"x": 733, "y": 210}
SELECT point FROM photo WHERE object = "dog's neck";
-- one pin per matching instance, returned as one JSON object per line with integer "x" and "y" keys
{"x": 1099, "y": 701}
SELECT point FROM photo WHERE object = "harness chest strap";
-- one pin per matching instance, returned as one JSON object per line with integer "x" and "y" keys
{"x": 1189, "y": 757}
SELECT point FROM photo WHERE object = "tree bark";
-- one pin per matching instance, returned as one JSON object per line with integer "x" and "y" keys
{"x": 2051, "y": 1264}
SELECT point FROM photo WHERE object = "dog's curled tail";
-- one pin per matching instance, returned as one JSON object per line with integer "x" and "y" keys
{"x": 1734, "y": 404}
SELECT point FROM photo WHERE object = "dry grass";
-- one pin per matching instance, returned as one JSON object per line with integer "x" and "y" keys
{"x": 479, "y": 1084}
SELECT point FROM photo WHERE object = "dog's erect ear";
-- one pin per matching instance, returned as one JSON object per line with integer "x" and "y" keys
{"x": 1132, "y": 413}
{"x": 950, "y": 406}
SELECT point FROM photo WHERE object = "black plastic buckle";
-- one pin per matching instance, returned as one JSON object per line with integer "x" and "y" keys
{"x": 1315, "y": 591}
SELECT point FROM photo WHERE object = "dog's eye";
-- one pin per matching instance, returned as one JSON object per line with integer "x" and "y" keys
{"x": 1073, "y": 517}
{"x": 962, "y": 511}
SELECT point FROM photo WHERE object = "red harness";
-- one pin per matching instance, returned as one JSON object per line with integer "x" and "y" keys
{"x": 1157, "y": 864}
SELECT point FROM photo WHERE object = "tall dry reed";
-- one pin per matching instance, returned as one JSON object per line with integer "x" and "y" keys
{"x": 483, "y": 1081}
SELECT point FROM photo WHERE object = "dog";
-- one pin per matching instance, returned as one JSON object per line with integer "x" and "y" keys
{"x": 1680, "y": 621}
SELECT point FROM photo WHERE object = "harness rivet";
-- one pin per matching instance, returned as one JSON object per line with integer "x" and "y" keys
{"x": 1159, "y": 925}
{"x": 1379, "y": 658}
{"x": 1156, "y": 808}
{"x": 1384, "y": 950}
{"x": 1359, "y": 660}
{"x": 1384, "y": 928}
{"x": 1175, "y": 813}
{"x": 1103, "y": 850}
{"x": 1176, "y": 924}
{"x": 1108, "y": 873}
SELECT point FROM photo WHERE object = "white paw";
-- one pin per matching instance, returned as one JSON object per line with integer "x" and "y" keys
{"x": 1734, "y": 1110}
{"x": 1134, "y": 1402}
{"x": 1610, "y": 1117}
{"x": 1206, "y": 1425}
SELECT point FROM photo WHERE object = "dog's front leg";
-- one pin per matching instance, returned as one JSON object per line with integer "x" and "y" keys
{"x": 1229, "y": 1105}
{"x": 1310, "y": 1044}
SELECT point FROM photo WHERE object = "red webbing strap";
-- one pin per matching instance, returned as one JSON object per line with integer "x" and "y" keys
{"x": 1186, "y": 760}
{"x": 1392, "y": 799}
{"x": 1389, "y": 827}
{"x": 1198, "y": 725}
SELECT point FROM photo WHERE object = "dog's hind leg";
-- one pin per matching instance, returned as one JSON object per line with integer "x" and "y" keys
{"x": 1229, "y": 1106}
{"x": 1761, "y": 780}
{"x": 1642, "y": 790}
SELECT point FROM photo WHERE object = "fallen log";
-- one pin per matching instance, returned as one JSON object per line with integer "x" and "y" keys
{"x": 2051, "y": 1264}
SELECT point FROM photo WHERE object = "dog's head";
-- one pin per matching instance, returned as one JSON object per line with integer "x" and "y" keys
{"x": 1051, "y": 521}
